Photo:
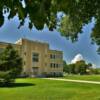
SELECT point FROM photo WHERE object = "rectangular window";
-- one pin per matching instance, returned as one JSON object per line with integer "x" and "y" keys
{"x": 51, "y": 65}
{"x": 54, "y": 65}
{"x": 52, "y": 56}
{"x": 57, "y": 65}
{"x": 35, "y": 57}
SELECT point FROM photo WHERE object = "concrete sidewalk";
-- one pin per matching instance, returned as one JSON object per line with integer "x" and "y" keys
{"x": 76, "y": 81}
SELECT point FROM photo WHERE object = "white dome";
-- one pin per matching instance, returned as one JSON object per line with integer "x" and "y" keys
{"x": 78, "y": 57}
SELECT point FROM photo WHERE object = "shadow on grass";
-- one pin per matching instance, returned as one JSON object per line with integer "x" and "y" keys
{"x": 14, "y": 85}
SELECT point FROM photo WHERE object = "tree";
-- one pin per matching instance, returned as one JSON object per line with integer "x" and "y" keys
{"x": 71, "y": 68}
{"x": 89, "y": 65}
{"x": 81, "y": 67}
{"x": 10, "y": 65}
{"x": 65, "y": 67}
{"x": 77, "y": 13}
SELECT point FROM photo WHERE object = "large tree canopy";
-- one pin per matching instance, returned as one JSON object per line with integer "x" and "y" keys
{"x": 77, "y": 13}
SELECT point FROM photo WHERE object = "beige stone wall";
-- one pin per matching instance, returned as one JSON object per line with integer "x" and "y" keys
{"x": 58, "y": 59}
{"x": 26, "y": 49}
{"x": 30, "y": 47}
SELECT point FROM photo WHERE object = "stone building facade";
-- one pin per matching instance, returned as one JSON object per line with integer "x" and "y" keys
{"x": 38, "y": 59}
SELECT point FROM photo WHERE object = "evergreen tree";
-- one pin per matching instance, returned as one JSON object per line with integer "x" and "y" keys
{"x": 10, "y": 65}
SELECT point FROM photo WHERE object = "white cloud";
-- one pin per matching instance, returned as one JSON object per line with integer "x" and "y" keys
{"x": 78, "y": 57}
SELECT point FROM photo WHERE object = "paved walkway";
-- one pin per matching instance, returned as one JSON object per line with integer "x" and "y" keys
{"x": 77, "y": 81}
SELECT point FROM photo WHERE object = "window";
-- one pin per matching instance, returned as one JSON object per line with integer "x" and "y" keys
{"x": 55, "y": 56}
{"x": 53, "y": 65}
{"x": 35, "y": 57}
{"x": 57, "y": 65}
{"x": 52, "y": 56}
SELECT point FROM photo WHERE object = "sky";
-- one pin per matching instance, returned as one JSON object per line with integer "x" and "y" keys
{"x": 9, "y": 32}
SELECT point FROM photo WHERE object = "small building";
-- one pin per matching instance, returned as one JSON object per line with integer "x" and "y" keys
{"x": 38, "y": 59}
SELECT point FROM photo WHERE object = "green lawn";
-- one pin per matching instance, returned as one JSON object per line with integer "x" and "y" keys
{"x": 83, "y": 77}
{"x": 41, "y": 89}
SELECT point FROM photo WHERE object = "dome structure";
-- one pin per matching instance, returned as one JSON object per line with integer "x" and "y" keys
{"x": 78, "y": 57}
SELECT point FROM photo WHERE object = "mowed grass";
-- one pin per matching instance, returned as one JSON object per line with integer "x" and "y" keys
{"x": 83, "y": 77}
{"x": 42, "y": 89}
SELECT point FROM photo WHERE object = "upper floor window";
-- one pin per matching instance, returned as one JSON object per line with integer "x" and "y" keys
{"x": 57, "y": 65}
{"x": 52, "y": 56}
{"x": 55, "y": 56}
{"x": 35, "y": 57}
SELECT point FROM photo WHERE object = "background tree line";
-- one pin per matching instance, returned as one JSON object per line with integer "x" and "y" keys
{"x": 80, "y": 67}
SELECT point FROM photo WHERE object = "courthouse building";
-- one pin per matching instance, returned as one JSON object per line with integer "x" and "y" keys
{"x": 38, "y": 59}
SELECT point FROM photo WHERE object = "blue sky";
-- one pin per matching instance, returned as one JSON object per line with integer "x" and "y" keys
{"x": 9, "y": 32}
